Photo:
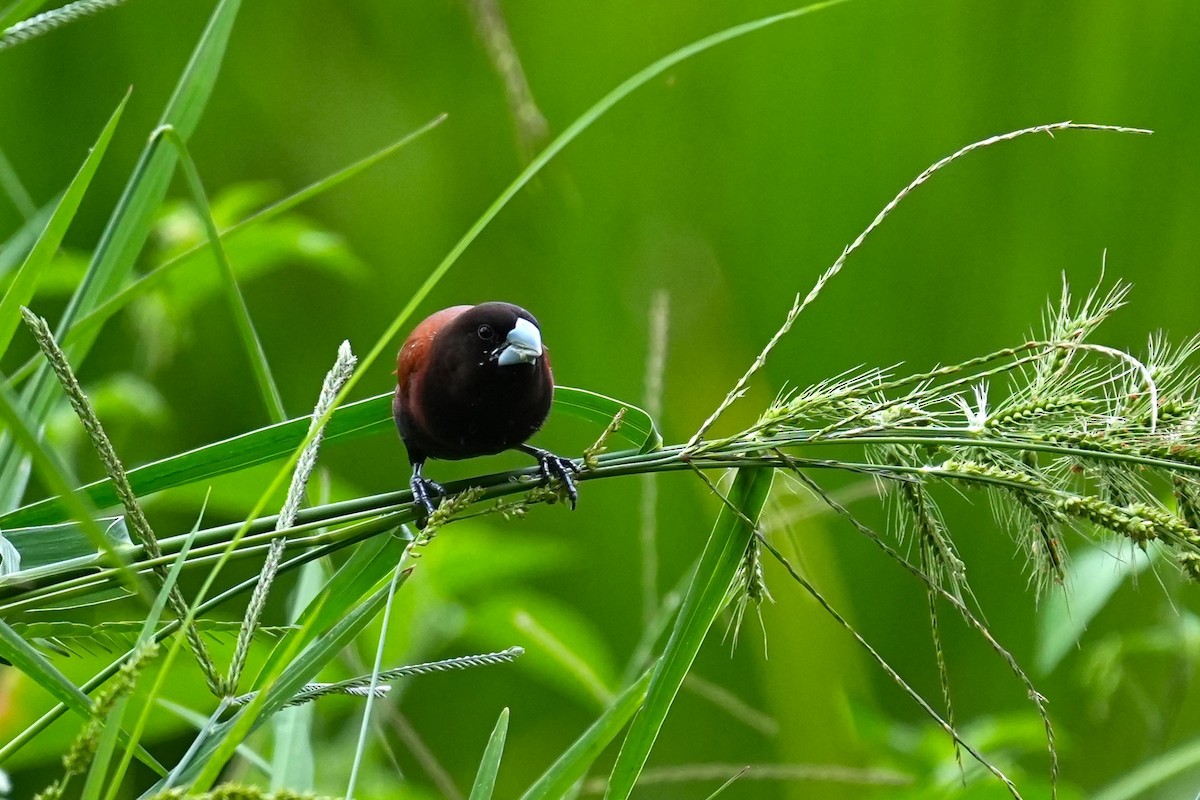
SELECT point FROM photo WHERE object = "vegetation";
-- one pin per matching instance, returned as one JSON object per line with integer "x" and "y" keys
{"x": 185, "y": 620}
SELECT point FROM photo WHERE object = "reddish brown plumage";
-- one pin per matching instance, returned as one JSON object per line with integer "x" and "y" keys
{"x": 472, "y": 381}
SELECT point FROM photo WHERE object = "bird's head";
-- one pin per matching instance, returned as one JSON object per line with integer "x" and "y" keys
{"x": 497, "y": 333}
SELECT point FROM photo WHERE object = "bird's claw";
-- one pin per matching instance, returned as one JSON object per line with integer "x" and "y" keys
{"x": 552, "y": 466}
{"x": 424, "y": 493}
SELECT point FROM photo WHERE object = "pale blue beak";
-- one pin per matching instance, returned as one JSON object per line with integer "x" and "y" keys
{"x": 523, "y": 345}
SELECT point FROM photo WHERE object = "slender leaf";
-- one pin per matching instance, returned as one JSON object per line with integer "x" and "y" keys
{"x": 124, "y": 235}
{"x": 26, "y": 658}
{"x": 485, "y": 778}
{"x": 18, "y": 10}
{"x": 293, "y": 760}
{"x": 1094, "y": 579}
{"x": 217, "y": 746}
{"x": 10, "y": 181}
{"x": 58, "y": 479}
{"x": 637, "y": 426}
{"x": 24, "y": 283}
{"x": 371, "y": 564}
{"x": 150, "y": 281}
{"x": 705, "y": 598}
{"x": 574, "y": 763}
{"x": 251, "y": 342}
{"x": 276, "y": 441}
{"x": 50, "y": 546}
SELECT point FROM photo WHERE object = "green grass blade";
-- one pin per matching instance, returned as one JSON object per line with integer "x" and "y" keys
{"x": 573, "y": 764}
{"x": 370, "y": 564}
{"x": 293, "y": 759}
{"x": 1141, "y": 781}
{"x": 485, "y": 778}
{"x": 705, "y": 598}
{"x": 26, "y": 658}
{"x": 209, "y": 758}
{"x": 96, "y": 774}
{"x": 233, "y": 294}
{"x": 221, "y": 458}
{"x": 18, "y": 10}
{"x": 152, "y": 280}
{"x": 637, "y": 426}
{"x": 57, "y": 478}
{"x": 125, "y": 234}
{"x": 24, "y": 283}
{"x": 11, "y": 183}
{"x": 277, "y": 441}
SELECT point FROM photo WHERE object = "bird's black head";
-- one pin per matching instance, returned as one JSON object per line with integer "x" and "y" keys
{"x": 496, "y": 335}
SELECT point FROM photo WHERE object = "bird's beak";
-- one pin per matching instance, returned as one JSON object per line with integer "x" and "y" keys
{"x": 523, "y": 345}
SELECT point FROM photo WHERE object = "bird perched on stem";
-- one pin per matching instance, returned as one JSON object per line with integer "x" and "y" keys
{"x": 474, "y": 381}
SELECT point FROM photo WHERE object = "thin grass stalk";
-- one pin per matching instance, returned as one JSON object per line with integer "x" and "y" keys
{"x": 26, "y": 736}
{"x": 116, "y": 473}
{"x": 337, "y": 375}
{"x": 52, "y": 20}
{"x": 798, "y": 305}
{"x": 963, "y": 610}
{"x": 251, "y": 342}
{"x": 895, "y": 676}
{"x": 373, "y": 685}
{"x": 656, "y": 357}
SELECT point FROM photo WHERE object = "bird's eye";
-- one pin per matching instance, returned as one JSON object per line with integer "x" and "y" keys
{"x": 486, "y": 333}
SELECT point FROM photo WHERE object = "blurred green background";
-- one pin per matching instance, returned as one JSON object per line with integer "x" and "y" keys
{"x": 730, "y": 183}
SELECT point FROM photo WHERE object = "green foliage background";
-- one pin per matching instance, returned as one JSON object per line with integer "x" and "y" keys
{"x": 730, "y": 183}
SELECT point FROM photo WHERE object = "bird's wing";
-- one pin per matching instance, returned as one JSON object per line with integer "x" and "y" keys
{"x": 415, "y": 351}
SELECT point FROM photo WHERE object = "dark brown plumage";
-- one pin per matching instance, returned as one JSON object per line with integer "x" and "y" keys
{"x": 473, "y": 381}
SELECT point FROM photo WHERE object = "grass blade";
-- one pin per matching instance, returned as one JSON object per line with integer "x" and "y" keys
{"x": 637, "y": 426}
{"x": 125, "y": 233}
{"x": 57, "y": 478}
{"x": 26, "y": 658}
{"x": 233, "y": 294}
{"x": 18, "y": 10}
{"x": 218, "y": 745}
{"x": 293, "y": 758}
{"x": 485, "y": 778}
{"x": 705, "y": 598}
{"x": 573, "y": 764}
{"x": 277, "y": 441}
{"x": 11, "y": 183}
{"x": 24, "y": 283}
{"x": 150, "y": 281}
{"x": 96, "y": 775}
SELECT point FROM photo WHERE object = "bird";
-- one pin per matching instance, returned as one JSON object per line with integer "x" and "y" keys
{"x": 474, "y": 381}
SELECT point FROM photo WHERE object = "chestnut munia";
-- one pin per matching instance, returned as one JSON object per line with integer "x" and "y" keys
{"x": 473, "y": 381}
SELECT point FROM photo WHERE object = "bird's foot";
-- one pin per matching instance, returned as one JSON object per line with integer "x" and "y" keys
{"x": 425, "y": 492}
{"x": 564, "y": 469}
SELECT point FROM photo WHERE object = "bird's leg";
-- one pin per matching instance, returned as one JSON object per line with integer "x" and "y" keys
{"x": 552, "y": 466}
{"x": 424, "y": 492}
